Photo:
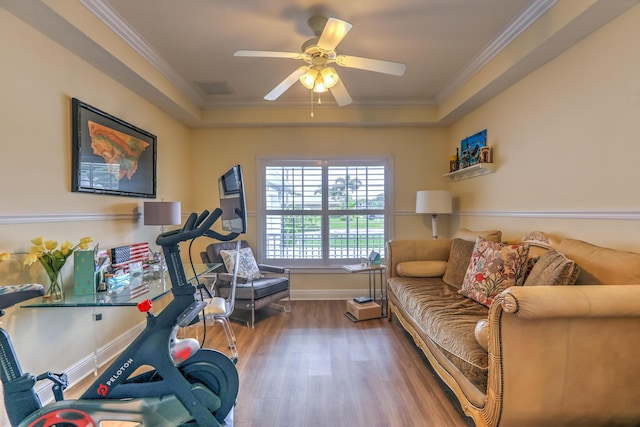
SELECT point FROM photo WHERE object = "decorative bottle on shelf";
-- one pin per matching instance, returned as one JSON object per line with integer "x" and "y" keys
{"x": 457, "y": 159}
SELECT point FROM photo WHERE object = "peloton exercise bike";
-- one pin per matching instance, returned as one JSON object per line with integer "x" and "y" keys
{"x": 187, "y": 385}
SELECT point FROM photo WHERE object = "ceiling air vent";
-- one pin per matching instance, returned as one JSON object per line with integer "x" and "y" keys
{"x": 215, "y": 88}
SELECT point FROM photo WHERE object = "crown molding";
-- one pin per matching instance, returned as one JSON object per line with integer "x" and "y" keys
{"x": 110, "y": 17}
{"x": 531, "y": 13}
{"x": 114, "y": 21}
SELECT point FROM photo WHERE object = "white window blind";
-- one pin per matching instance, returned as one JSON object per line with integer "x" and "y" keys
{"x": 323, "y": 212}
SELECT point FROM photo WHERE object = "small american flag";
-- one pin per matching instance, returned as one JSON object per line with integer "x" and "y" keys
{"x": 123, "y": 255}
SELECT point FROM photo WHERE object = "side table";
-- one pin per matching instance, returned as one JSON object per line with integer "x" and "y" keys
{"x": 375, "y": 272}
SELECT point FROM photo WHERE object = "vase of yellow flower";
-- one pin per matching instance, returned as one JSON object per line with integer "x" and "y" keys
{"x": 52, "y": 260}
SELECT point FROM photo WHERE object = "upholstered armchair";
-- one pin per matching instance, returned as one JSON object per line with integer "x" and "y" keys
{"x": 258, "y": 285}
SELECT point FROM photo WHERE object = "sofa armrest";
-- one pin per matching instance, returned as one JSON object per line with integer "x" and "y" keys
{"x": 538, "y": 302}
{"x": 415, "y": 250}
{"x": 228, "y": 277}
{"x": 559, "y": 355}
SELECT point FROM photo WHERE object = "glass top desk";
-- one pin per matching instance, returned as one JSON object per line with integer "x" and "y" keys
{"x": 152, "y": 289}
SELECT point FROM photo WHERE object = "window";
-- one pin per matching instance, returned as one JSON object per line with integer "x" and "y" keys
{"x": 317, "y": 213}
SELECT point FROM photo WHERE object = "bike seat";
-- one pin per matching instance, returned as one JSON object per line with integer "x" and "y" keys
{"x": 11, "y": 295}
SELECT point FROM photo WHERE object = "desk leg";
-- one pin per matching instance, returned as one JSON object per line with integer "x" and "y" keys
{"x": 372, "y": 283}
{"x": 383, "y": 291}
{"x": 383, "y": 294}
{"x": 95, "y": 318}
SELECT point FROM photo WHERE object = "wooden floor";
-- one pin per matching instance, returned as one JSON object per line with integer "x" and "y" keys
{"x": 314, "y": 367}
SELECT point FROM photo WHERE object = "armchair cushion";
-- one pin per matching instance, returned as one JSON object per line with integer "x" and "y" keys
{"x": 260, "y": 288}
{"x": 247, "y": 263}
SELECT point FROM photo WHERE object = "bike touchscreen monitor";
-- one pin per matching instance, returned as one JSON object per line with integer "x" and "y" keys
{"x": 232, "y": 203}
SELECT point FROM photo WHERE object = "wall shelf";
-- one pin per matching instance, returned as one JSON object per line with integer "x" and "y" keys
{"x": 472, "y": 171}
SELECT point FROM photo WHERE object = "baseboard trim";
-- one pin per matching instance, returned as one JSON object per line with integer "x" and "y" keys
{"x": 87, "y": 365}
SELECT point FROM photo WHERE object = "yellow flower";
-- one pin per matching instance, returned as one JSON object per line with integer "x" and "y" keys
{"x": 53, "y": 259}
{"x": 66, "y": 246}
{"x": 4, "y": 256}
{"x": 84, "y": 242}
{"x": 37, "y": 250}
{"x": 30, "y": 259}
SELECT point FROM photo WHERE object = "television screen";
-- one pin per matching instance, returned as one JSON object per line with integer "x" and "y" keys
{"x": 232, "y": 203}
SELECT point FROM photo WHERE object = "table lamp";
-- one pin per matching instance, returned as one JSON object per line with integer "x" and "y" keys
{"x": 162, "y": 214}
{"x": 434, "y": 203}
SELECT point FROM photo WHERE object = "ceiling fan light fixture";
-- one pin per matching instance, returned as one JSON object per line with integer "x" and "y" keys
{"x": 308, "y": 79}
{"x": 329, "y": 77}
{"x": 319, "y": 87}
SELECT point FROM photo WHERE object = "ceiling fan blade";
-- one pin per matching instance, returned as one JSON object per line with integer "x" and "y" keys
{"x": 269, "y": 54}
{"x": 333, "y": 33}
{"x": 285, "y": 84}
{"x": 340, "y": 94}
{"x": 377, "y": 65}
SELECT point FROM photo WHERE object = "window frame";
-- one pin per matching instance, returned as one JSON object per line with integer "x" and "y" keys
{"x": 324, "y": 162}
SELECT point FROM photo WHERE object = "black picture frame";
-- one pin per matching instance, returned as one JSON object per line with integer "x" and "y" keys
{"x": 109, "y": 155}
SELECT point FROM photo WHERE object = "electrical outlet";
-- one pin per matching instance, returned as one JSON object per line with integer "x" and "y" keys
{"x": 97, "y": 316}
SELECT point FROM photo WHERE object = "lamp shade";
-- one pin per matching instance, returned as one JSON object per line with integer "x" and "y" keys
{"x": 308, "y": 79}
{"x": 162, "y": 213}
{"x": 433, "y": 202}
{"x": 329, "y": 77}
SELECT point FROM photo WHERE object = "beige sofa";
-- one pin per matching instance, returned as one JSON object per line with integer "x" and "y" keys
{"x": 556, "y": 355}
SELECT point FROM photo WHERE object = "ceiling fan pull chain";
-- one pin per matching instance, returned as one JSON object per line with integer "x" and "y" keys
{"x": 311, "y": 103}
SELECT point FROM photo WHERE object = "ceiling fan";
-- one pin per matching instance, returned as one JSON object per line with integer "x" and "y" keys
{"x": 319, "y": 52}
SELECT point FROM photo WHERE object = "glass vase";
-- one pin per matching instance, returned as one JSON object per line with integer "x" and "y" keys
{"x": 54, "y": 293}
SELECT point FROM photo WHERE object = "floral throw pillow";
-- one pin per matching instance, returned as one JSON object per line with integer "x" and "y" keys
{"x": 493, "y": 268}
{"x": 247, "y": 266}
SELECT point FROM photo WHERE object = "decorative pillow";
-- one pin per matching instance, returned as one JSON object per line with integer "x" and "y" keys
{"x": 482, "y": 333}
{"x": 421, "y": 268}
{"x": 493, "y": 268}
{"x": 553, "y": 268}
{"x": 459, "y": 258}
{"x": 540, "y": 239}
{"x": 247, "y": 264}
{"x": 531, "y": 262}
{"x": 539, "y": 243}
{"x": 466, "y": 234}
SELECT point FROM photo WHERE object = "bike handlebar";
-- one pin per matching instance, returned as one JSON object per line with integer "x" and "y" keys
{"x": 195, "y": 226}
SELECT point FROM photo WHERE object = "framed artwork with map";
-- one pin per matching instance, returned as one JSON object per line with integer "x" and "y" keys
{"x": 109, "y": 155}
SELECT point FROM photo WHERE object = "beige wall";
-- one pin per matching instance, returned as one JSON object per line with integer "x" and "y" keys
{"x": 565, "y": 139}
{"x": 37, "y": 81}
{"x": 416, "y": 154}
